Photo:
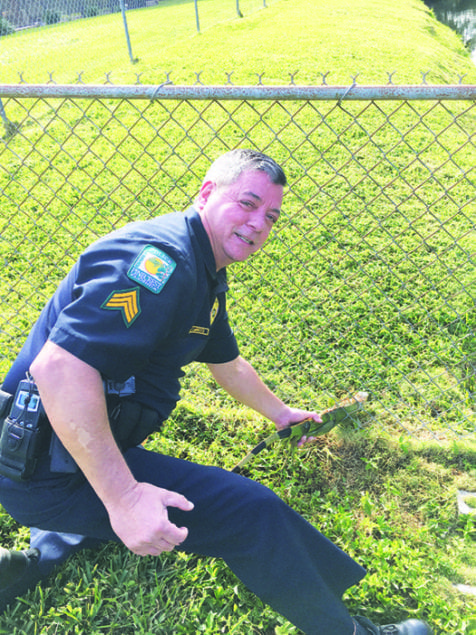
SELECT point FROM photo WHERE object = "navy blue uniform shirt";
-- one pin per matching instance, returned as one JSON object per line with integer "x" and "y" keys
{"x": 143, "y": 301}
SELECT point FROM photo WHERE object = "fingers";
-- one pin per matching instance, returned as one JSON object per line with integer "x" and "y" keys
{"x": 173, "y": 535}
{"x": 142, "y": 522}
{"x": 161, "y": 546}
{"x": 305, "y": 441}
{"x": 166, "y": 539}
{"x": 170, "y": 535}
{"x": 154, "y": 549}
{"x": 172, "y": 499}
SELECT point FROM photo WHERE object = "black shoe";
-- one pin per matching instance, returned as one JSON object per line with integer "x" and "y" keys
{"x": 18, "y": 574}
{"x": 409, "y": 627}
{"x": 13, "y": 564}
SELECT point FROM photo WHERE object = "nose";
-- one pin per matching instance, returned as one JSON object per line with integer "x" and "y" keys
{"x": 257, "y": 220}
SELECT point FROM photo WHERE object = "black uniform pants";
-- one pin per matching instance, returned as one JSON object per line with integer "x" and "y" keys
{"x": 278, "y": 555}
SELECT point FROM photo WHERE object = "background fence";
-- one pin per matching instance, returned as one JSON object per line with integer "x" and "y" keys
{"x": 368, "y": 282}
{"x": 17, "y": 15}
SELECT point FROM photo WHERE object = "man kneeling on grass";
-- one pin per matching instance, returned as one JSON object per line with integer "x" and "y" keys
{"x": 106, "y": 355}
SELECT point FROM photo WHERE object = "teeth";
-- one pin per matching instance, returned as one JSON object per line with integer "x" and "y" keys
{"x": 246, "y": 240}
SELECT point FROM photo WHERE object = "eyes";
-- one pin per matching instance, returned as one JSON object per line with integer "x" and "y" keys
{"x": 273, "y": 218}
{"x": 250, "y": 205}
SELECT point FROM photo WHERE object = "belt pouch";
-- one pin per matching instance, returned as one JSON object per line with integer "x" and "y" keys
{"x": 20, "y": 448}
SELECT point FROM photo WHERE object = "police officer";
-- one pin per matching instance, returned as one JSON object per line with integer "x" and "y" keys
{"x": 107, "y": 355}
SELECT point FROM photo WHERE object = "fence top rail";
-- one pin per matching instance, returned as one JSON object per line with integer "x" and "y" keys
{"x": 166, "y": 90}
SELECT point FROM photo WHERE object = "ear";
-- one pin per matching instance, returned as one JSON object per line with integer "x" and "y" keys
{"x": 204, "y": 194}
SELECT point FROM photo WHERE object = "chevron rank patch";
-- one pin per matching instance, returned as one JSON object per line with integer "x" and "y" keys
{"x": 127, "y": 302}
{"x": 152, "y": 268}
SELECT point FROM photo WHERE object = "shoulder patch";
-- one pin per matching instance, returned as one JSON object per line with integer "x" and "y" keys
{"x": 127, "y": 302}
{"x": 152, "y": 268}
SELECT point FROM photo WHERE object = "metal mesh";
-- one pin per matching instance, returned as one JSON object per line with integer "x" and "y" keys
{"x": 16, "y": 15}
{"x": 372, "y": 284}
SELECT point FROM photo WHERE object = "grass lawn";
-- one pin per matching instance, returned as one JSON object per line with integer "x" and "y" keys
{"x": 315, "y": 312}
{"x": 309, "y": 37}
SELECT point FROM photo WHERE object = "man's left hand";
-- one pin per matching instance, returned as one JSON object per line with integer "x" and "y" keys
{"x": 296, "y": 415}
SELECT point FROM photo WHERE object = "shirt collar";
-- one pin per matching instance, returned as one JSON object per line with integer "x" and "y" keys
{"x": 198, "y": 230}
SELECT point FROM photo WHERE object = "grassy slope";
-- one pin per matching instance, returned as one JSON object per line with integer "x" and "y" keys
{"x": 388, "y": 502}
{"x": 367, "y": 38}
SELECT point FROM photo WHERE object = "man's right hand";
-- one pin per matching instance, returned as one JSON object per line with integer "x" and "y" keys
{"x": 140, "y": 519}
{"x": 73, "y": 396}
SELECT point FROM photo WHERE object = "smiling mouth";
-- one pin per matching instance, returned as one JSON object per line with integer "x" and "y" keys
{"x": 244, "y": 239}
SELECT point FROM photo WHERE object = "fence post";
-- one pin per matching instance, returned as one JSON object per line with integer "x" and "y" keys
{"x": 124, "y": 19}
{"x": 9, "y": 125}
{"x": 197, "y": 19}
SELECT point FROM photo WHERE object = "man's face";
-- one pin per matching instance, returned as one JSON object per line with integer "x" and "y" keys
{"x": 239, "y": 217}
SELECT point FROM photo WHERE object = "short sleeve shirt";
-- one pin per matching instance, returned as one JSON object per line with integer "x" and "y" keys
{"x": 144, "y": 301}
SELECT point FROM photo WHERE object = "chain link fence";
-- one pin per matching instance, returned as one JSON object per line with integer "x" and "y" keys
{"x": 368, "y": 282}
{"x": 17, "y": 15}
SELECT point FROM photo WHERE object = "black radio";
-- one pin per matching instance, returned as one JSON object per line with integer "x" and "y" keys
{"x": 24, "y": 433}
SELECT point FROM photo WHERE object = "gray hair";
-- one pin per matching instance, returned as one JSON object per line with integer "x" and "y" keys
{"x": 229, "y": 166}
